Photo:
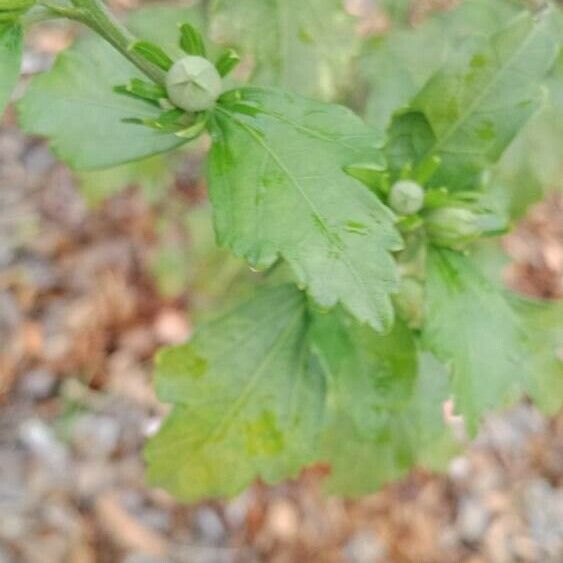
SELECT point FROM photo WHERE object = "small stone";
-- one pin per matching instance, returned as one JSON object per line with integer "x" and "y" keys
{"x": 41, "y": 441}
{"x": 37, "y": 384}
{"x": 95, "y": 436}
{"x": 472, "y": 520}
{"x": 364, "y": 546}
{"x": 209, "y": 525}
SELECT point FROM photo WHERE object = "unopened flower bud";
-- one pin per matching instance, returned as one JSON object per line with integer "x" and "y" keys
{"x": 193, "y": 84}
{"x": 406, "y": 197}
{"x": 453, "y": 227}
{"x": 410, "y": 302}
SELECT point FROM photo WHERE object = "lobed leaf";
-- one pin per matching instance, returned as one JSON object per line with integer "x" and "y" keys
{"x": 249, "y": 401}
{"x": 368, "y": 375}
{"x": 396, "y": 66}
{"x": 476, "y": 104}
{"x": 532, "y": 166}
{"x": 384, "y": 405}
{"x": 278, "y": 188}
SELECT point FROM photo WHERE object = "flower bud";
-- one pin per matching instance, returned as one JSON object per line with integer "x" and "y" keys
{"x": 409, "y": 302}
{"x": 453, "y": 227}
{"x": 406, "y": 197}
{"x": 193, "y": 84}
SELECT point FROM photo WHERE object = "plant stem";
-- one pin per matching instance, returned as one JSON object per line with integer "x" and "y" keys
{"x": 95, "y": 15}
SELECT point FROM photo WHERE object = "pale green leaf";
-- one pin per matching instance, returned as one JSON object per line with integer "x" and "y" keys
{"x": 305, "y": 46}
{"x": 152, "y": 175}
{"x": 533, "y": 165}
{"x": 10, "y": 59}
{"x": 470, "y": 326}
{"x": 397, "y": 65}
{"x": 75, "y": 107}
{"x": 368, "y": 374}
{"x": 384, "y": 408}
{"x": 248, "y": 401}
{"x": 478, "y": 102}
{"x": 543, "y": 321}
{"x": 278, "y": 188}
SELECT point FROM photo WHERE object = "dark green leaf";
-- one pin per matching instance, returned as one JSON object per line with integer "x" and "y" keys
{"x": 278, "y": 188}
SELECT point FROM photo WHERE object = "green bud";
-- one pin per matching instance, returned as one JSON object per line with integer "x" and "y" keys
{"x": 410, "y": 302}
{"x": 453, "y": 227}
{"x": 193, "y": 84}
{"x": 406, "y": 197}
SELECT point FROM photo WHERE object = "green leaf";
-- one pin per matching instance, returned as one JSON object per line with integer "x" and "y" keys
{"x": 384, "y": 406}
{"x": 10, "y": 59}
{"x": 477, "y": 103}
{"x": 152, "y": 53}
{"x": 369, "y": 377}
{"x": 278, "y": 188}
{"x": 397, "y": 65}
{"x": 191, "y": 40}
{"x": 74, "y": 104}
{"x": 470, "y": 326}
{"x": 368, "y": 374}
{"x": 543, "y": 321}
{"x": 153, "y": 176}
{"x": 248, "y": 401}
{"x": 532, "y": 167}
{"x": 423, "y": 420}
{"x": 143, "y": 90}
{"x": 305, "y": 46}
{"x": 227, "y": 62}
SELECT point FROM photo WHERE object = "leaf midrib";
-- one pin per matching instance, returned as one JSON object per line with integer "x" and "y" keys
{"x": 330, "y": 236}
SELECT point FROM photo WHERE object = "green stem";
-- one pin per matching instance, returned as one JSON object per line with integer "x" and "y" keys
{"x": 95, "y": 15}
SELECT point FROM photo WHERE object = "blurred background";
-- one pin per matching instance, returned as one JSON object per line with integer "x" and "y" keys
{"x": 99, "y": 270}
